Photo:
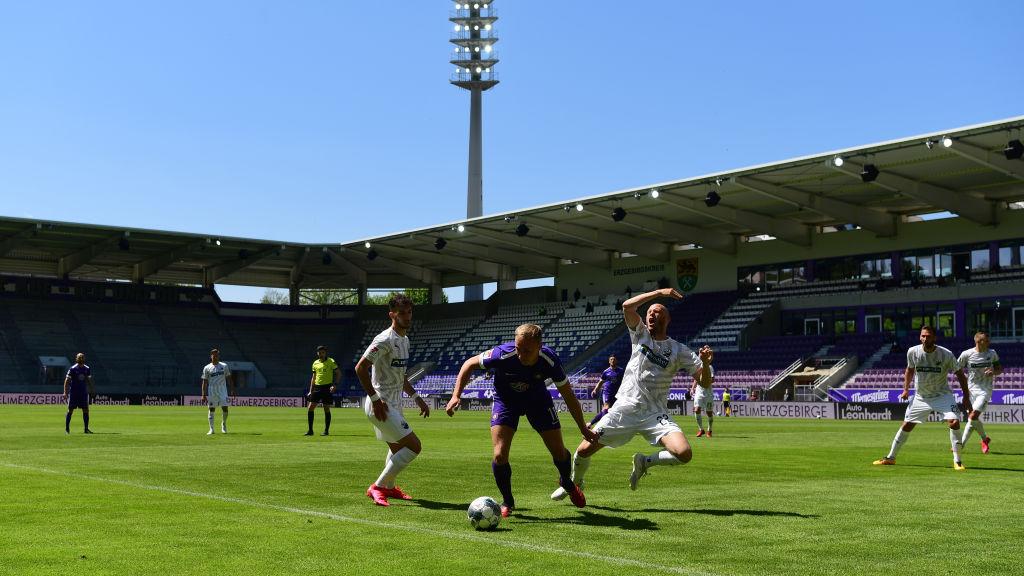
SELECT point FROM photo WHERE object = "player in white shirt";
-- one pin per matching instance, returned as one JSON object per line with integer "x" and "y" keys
{"x": 216, "y": 377}
{"x": 703, "y": 403}
{"x": 928, "y": 366}
{"x": 641, "y": 405}
{"x": 381, "y": 371}
{"x": 982, "y": 365}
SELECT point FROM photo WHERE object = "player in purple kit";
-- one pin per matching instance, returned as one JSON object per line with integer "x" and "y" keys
{"x": 77, "y": 386}
{"x": 608, "y": 385}
{"x": 522, "y": 369}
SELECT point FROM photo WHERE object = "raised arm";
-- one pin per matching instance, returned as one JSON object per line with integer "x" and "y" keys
{"x": 630, "y": 307}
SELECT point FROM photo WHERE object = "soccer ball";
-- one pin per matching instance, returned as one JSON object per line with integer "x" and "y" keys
{"x": 484, "y": 513}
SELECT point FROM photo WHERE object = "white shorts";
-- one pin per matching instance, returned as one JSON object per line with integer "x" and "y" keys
{"x": 217, "y": 396}
{"x": 618, "y": 427}
{"x": 920, "y": 408}
{"x": 980, "y": 398}
{"x": 394, "y": 428}
{"x": 704, "y": 399}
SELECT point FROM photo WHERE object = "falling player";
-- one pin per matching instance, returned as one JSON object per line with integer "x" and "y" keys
{"x": 322, "y": 385}
{"x": 981, "y": 364}
{"x": 608, "y": 386}
{"x": 928, "y": 366}
{"x": 78, "y": 385}
{"x": 216, "y": 378}
{"x": 641, "y": 406}
{"x": 381, "y": 372}
{"x": 522, "y": 369}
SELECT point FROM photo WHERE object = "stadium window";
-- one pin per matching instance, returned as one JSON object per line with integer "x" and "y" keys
{"x": 1005, "y": 256}
{"x": 979, "y": 260}
{"x": 945, "y": 262}
{"x": 926, "y": 264}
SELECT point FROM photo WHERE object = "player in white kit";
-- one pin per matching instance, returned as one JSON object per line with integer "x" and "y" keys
{"x": 381, "y": 371}
{"x": 981, "y": 364}
{"x": 216, "y": 377}
{"x": 928, "y": 366}
{"x": 703, "y": 403}
{"x": 641, "y": 405}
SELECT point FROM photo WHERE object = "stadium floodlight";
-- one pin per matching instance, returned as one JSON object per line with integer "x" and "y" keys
{"x": 371, "y": 255}
{"x": 461, "y": 228}
{"x": 579, "y": 207}
{"x": 218, "y": 242}
{"x": 947, "y": 141}
{"x": 655, "y": 193}
{"x": 712, "y": 199}
{"x": 619, "y": 214}
{"x": 1014, "y": 150}
{"x": 522, "y": 230}
{"x": 869, "y": 173}
{"x": 367, "y": 244}
{"x": 440, "y": 243}
{"x": 837, "y": 161}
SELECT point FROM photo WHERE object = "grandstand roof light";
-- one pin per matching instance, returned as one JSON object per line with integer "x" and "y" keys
{"x": 655, "y": 193}
{"x": 440, "y": 243}
{"x": 579, "y": 207}
{"x": 522, "y": 229}
{"x": 712, "y": 199}
{"x": 619, "y": 214}
{"x": 869, "y": 173}
{"x": 930, "y": 143}
{"x": 218, "y": 242}
{"x": 367, "y": 244}
{"x": 461, "y": 228}
{"x": 1014, "y": 150}
{"x": 947, "y": 141}
{"x": 837, "y": 161}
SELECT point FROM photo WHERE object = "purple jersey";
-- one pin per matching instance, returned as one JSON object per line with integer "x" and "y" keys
{"x": 522, "y": 390}
{"x": 79, "y": 376}
{"x": 612, "y": 379}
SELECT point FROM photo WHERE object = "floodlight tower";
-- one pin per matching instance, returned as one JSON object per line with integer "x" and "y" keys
{"x": 474, "y": 59}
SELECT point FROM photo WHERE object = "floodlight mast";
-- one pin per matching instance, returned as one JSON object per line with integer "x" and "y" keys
{"x": 474, "y": 59}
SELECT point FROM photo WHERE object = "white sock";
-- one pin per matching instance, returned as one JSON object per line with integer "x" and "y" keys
{"x": 967, "y": 432}
{"x": 396, "y": 463}
{"x": 977, "y": 425}
{"x": 897, "y": 443}
{"x": 954, "y": 441}
{"x": 580, "y": 464}
{"x": 711, "y": 421}
{"x": 700, "y": 421}
{"x": 211, "y": 420}
{"x": 224, "y": 419}
{"x": 662, "y": 458}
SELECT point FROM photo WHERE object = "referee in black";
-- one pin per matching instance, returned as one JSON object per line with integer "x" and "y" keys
{"x": 322, "y": 385}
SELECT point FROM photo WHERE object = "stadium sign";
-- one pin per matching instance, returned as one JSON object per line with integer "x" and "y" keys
{"x": 814, "y": 410}
{"x": 892, "y": 395}
{"x": 870, "y": 411}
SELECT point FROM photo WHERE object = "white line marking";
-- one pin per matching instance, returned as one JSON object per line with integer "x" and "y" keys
{"x": 376, "y": 523}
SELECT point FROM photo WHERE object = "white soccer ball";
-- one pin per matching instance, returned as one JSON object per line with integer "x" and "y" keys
{"x": 484, "y": 513}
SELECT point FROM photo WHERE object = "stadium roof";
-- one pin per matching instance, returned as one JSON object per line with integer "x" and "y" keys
{"x": 790, "y": 200}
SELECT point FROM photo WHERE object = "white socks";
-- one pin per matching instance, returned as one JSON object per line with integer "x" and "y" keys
{"x": 580, "y": 464}
{"x": 662, "y": 458}
{"x": 211, "y": 421}
{"x": 971, "y": 426}
{"x": 954, "y": 441}
{"x": 711, "y": 421}
{"x": 396, "y": 463}
{"x": 700, "y": 420}
{"x": 897, "y": 443}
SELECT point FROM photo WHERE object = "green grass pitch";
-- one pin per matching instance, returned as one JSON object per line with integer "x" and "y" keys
{"x": 150, "y": 493}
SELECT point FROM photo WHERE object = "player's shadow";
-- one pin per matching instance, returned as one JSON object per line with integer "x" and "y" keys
{"x": 711, "y": 512}
{"x": 103, "y": 433}
{"x": 433, "y": 505}
{"x": 587, "y": 518}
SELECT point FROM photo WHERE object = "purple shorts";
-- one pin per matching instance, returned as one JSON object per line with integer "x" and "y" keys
{"x": 536, "y": 405}
{"x": 78, "y": 401}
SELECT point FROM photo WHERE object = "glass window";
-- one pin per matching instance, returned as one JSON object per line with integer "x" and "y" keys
{"x": 885, "y": 268}
{"x": 1005, "y": 257}
{"x": 926, "y": 265}
{"x": 945, "y": 264}
{"x": 979, "y": 260}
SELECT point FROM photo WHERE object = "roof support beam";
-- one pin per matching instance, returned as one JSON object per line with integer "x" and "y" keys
{"x": 71, "y": 262}
{"x": 345, "y": 264}
{"x": 880, "y": 223}
{"x": 480, "y": 268}
{"x": 153, "y": 265}
{"x": 678, "y": 233}
{"x": 543, "y": 264}
{"x": 781, "y": 228}
{"x": 992, "y": 160}
{"x": 11, "y": 242}
{"x": 605, "y": 238}
{"x": 295, "y": 274}
{"x": 418, "y": 273}
{"x": 221, "y": 271}
{"x": 974, "y": 209}
{"x": 551, "y": 248}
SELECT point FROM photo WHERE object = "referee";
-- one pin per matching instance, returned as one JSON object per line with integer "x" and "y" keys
{"x": 321, "y": 388}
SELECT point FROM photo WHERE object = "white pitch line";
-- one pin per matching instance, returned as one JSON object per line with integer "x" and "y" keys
{"x": 376, "y": 523}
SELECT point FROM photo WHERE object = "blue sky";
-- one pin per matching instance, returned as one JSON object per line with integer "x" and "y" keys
{"x": 334, "y": 120}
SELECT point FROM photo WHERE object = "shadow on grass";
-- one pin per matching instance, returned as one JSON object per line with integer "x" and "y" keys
{"x": 433, "y": 505}
{"x": 967, "y": 464}
{"x": 711, "y": 512}
{"x": 587, "y": 518}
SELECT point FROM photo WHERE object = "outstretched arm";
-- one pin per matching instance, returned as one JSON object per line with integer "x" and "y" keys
{"x": 629, "y": 307}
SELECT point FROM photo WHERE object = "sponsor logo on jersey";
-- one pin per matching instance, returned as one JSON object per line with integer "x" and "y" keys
{"x": 520, "y": 386}
{"x": 930, "y": 369}
{"x": 659, "y": 359}
{"x": 399, "y": 362}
